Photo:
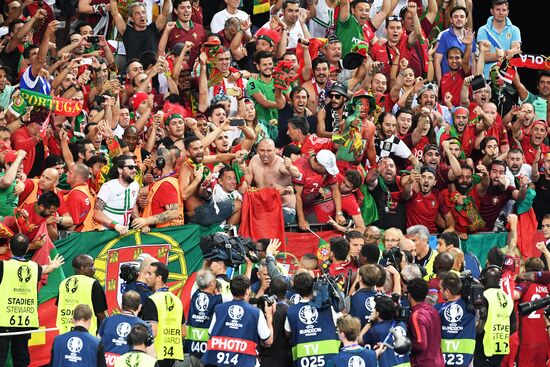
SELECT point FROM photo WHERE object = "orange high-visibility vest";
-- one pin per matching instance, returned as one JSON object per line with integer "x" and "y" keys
{"x": 89, "y": 223}
{"x": 148, "y": 211}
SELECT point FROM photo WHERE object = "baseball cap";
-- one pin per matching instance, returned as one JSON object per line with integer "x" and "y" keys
{"x": 138, "y": 99}
{"x": 327, "y": 159}
{"x": 429, "y": 147}
{"x": 177, "y": 48}
{"x": 427, "y": 169}
{"x": 339, "y": 88}
{"x": 540, "y": 122}
{"x": 10, "y": 156}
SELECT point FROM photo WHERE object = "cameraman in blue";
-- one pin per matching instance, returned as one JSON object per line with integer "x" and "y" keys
{"x": 115, "y": 329}
{"x": 363, "y": 300}
{"x": 378, "y": 331}
{"x": 201, "y": 310}
{"x": 352, "y": 354}
{"x": 312, "y": 331}
{"x": 458, "y": 323}
{"x": 237, "y": 328}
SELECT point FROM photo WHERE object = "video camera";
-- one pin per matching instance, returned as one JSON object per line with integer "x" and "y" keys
{"x": 526, "y": 308}
{"x": 129, "y": 272}
{"x": 326, "y": 290}
{"x": 472, "y": 291}
{"x": 263, "y": 301}
{"x": 232, "y": 250}
{"x": 402, "y": 312}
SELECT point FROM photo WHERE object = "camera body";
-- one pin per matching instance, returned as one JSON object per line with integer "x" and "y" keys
{"x": 393, "y": 256}
{"x": 232, "y": 250}
{"x": 402, "y": 312}
{"x": 472, "y": 290}
{"x": 265, "y": 300}
{"x": 129, "y": 272}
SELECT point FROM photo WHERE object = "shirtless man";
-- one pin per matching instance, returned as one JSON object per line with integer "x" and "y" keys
{"x": 266, "y": 169}
{"x": 194, "y": 184}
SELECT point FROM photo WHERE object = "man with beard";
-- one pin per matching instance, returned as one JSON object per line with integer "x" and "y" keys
{"x": 384, "y": 185}
{"x": 317, "y": 173}
{"x": 194, "y": 182}
{"x": 524, "y": 120}
{"x": 495, "y": 192}
{"x": 131, "y": 138}
{"x": 423, "y": 204}
{"x": 115, "y": 204}
{"x": 319, "y": 85}
{"x": 516, "y": 167}
{"x": 266, "y": 169}
{"x": 542, "y": 186}
{"x": 444, "y": 174}
{"x": 398, "y": 43}
{"x": 261, "y": 89}
{"x": 175, "y": 128}
{"x": 540, "y": 102}
{"x": 329, "y": 118}
{"x": 297, "y": 106}
{"x": 452, "y": 37}
{"x": 80, "y": 199}
{"x": 468, "y": 134}
{"x": 164, "y": 205}
{"x": 389, "y": 145}
{"x": 427, "y": 97}
{"x": 186, "y": 30}
{"x": 533, "y": 144}
{"x": 333, "y": 53}
{"x": 138, "y": 37}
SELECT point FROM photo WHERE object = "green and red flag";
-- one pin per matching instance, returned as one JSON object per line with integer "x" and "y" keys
{"x": 59, "y": 106}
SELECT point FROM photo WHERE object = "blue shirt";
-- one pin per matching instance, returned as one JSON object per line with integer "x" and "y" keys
{"x": 38, "y": 84}
{"x": 510, "y": 33}
{"x": 448, "y": 39}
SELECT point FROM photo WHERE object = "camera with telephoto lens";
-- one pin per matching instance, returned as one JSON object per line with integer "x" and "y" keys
{"x": 402, "y": 312}
{"x": 263, "y": 301}
{"x": 472, "y": 290}
{"x": 232, "y": 250}
{"x": 393, "y": 256}
{"x": 526, "y": 308}
{"x": 129, "y": 272}
{"x": 327, "y": 291}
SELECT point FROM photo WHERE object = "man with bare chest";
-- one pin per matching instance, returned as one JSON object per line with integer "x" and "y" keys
{"x": 266, "y": 169}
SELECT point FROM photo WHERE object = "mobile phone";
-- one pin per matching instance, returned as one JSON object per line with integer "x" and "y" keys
{"x": 87, "y": 61}
{"x": 237, "y": 122}
{"x": 478, "y": 83}
{"x": 93, "y": 39}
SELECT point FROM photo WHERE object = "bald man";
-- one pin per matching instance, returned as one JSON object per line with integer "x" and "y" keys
{"x": 34, "y": 187}
{"x": 443, "y": 263}
{"x": 80, "y": 199}
{"x": 458, "y": 256}
{"x": 267, "y": 169}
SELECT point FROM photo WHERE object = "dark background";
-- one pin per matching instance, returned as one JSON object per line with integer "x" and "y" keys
{"x": 532, "y": 17}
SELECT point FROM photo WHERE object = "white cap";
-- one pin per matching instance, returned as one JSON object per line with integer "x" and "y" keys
{"x": 327, "y": 159}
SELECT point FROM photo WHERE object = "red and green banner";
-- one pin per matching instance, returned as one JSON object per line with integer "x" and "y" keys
{"x": 59, "y": 106}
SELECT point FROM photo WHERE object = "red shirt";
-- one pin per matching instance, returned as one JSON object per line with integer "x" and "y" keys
{"x": 423, "y": 209}
{"x": 452, "y": 83}
{"x": 341, "y": 268}
{"x": 385, "y": 54}
{"x": 78, "y": 206}
{"x": 529, "y": 151}
{"x": 195, "y": 34}
{"x": 532, "y": 325}
{"x": 29, "y": 186}
{"x": 311, "y": 181}
{"x": 491, "y": 204}
{"x": 165, "y": 195}
{"x": 34, "y": 218}
{"x": 467, "y": 139}
{"x": 418, "y": 149}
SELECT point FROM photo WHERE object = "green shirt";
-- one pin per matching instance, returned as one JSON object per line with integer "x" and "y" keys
{"x": 259, "y": 86}
{"x": 539, "y": 105}
{"x": 8, "y": 201}
{"x": 350, "y": 33}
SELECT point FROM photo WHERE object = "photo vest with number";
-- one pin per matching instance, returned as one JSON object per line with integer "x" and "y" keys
{"x": 496, "y": 340}
{"x": 168, "y": 342}
{"x": 362, "y": 304}
{"x": 313, "y": 334}
{"x": 234, "y": 336}
{"x": 74, "y": 291}
{"x": 201, "y": 309}
{"x": 458, "y": 332}
{"x": 75, "y": 349}
{"x": 389, "y": 358}
{"x": 19, "y": 306}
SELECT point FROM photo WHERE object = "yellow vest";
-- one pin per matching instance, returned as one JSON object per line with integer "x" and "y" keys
{"x": 169, "y": 341}
{"x": 89, "y": 223}
{"x": 19, "y": 287}
{"x": 430, "y": 265}
{"x": 135, "y": 359}
{"x": 496, "y": 340}
{"x": 74, "y": 291}
{"x": 148, "y": 211}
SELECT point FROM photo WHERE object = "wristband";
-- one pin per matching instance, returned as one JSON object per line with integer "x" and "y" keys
{"x": 113, "y": 224}
{"x": 339, "y": 213}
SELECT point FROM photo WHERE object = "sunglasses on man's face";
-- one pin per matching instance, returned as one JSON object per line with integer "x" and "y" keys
{"x": 335, "y": 95}
{"x": 131, "y": 166}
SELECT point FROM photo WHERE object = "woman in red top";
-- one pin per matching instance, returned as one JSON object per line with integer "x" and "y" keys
{"x": 422, "y": 134}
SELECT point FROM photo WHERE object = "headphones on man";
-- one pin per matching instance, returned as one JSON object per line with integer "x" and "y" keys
{"x": 148, "y": 341}
{"x": 485, "y": 270}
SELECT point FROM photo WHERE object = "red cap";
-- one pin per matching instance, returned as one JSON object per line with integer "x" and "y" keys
{"x": 10, "y": 156}
{"x": 137, "y": 99}
{"x": 540, "y": 122}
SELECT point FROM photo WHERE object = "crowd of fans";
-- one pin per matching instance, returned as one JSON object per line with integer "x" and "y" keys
{"x": 379, "y": 118}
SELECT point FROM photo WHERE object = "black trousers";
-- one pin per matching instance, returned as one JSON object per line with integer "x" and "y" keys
{"x": 480, "y": 360}
{"x": 19, "y": 350}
